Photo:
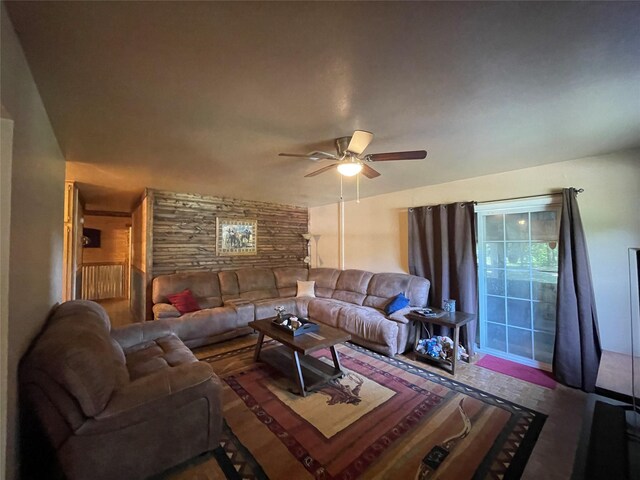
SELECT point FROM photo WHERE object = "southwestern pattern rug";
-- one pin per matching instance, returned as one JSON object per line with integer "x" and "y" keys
{"x": 384, "y": 419}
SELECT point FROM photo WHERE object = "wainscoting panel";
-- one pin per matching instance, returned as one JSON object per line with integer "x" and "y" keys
{"x": 103, "y": 280}
{"x": 184, "y": 233}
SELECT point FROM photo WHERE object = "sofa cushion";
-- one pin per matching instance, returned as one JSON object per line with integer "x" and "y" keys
{"x": 229, "y": 285}
{"x": 257, "y": 283}
{"x": 184, "y": 301}
{"x": 352, "y": 286}
{"x": 326, "y": 279}
{"x": 265, "y": 308}
{"x": 302, "y": 306}
{"x": 149, "y": 357}
{"x": 204, "y": 323}
{"x": 384, "y": 286}
{"x": 286, "y": 278}
{"x": 244, "y": 309}
{"x": 369, "y": 324}
{"x": 324, "y": 311}
{"x": 418, "y": 291}
{"x": 203, "y": 285}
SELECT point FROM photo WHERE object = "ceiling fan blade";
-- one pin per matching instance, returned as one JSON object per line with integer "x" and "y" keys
{"x": 359, "y": 141}
{"x": 323, "y": 169}
{"x": 317, "y": 155}
{"x": 384, "y": 157}
{"x": 369, "y": 172}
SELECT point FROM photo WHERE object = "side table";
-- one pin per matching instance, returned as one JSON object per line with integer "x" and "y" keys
{"x": 453, "y": 320}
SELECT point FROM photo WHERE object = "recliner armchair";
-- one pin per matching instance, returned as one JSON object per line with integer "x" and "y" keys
{"x": 125, "y": 403}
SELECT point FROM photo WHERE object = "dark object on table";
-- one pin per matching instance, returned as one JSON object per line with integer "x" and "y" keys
{"x": 428, "y": 313}
{"x": 93, "y": 238}
{"x": 306, "y": 326}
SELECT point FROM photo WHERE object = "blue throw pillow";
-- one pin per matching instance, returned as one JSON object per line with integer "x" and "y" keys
{"x": 397, "y": 303}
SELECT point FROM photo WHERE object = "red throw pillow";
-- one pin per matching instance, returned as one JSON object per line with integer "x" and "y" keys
{"x": 184, "y": 301}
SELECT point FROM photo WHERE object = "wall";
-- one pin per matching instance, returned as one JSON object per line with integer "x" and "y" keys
{"x": 6, "y": 152}
{"x": 184, "y": 233}
{"x": 114, "y": 239}
{"x": 37, "y": 197}
{"x": 376, "y": 229}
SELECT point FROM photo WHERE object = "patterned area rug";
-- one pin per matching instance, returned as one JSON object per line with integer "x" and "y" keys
{"x": 384, "y": 419}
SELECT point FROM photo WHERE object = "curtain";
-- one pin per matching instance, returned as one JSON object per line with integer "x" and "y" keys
{"x": 442, "y": 248}
{"x": 577, "y": 346}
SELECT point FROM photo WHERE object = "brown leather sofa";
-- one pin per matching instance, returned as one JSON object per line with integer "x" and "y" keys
{"x": 351, "y": 300}
{"x": 123, "y": 403}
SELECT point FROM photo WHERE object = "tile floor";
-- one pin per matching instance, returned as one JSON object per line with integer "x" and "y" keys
{"x": 552, "y": 457}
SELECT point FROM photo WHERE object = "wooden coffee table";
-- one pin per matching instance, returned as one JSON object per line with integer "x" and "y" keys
{"x": 293, "y": 356}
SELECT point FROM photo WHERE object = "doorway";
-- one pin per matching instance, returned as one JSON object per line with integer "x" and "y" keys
{"x": 106, "y": 256}
{"x": 518, "y": 277}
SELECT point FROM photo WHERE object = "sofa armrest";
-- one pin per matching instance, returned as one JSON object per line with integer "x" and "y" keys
{"x": 155, "y": 394}
{"x": 141, "y": 332}
{"x": 165, "y": 310}
{"x": 400, "y": 315}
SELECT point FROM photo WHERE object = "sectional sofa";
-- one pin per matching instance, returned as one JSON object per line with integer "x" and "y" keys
{"x": 350, "y": 300}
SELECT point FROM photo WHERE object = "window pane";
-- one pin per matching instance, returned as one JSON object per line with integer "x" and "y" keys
{"x": 518, "y": 254}
{"x": 496, "y": 337}
{"x": 520, "y": 342}
{"x": 495, "y": 282}
{"x": 543, "y": 347}
{"x": 517, "y": 226}
{"x": 518, "y": 283}
{"x": 494, "y": 228}
{"x": 544, "y": 316}
{"x": 544, "y": 286}
{"x": 494, "y": 254}
{"x": 519, "y": 313}
{"x": 543, "y": 256}
{"x": 495, "y": 309}
{"x": 544, "y": 226}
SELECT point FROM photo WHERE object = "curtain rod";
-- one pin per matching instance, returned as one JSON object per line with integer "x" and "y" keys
{"x": 577, "y": 190}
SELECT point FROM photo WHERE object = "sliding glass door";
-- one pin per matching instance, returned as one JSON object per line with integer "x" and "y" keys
{"x": 518, "y": 270}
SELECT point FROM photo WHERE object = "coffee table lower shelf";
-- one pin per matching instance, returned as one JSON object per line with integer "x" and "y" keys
{"x": 308, "y": 372}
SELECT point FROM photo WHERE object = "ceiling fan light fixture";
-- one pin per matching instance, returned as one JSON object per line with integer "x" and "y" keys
{"x": 349, "y": 169}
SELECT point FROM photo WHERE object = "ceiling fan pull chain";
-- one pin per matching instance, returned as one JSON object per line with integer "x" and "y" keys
{"x": 340, "y": 187}
{"x": 358, "y": 188}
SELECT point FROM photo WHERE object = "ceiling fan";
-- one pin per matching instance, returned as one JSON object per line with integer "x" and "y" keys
{"x": 349, "y": 159}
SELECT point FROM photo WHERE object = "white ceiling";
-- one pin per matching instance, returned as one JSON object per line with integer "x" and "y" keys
{"x": 201, "y": 96}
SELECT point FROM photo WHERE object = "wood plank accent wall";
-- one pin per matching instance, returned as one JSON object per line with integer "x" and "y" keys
{"x": 184, "y": 233}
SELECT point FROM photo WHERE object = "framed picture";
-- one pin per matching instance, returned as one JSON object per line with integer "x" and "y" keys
{"x": 236, "y": 236}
